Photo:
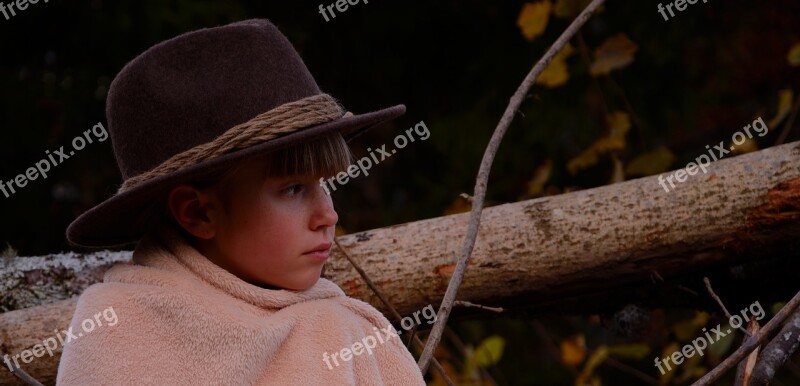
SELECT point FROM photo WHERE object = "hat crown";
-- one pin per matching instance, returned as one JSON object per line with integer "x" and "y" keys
{"x": 188, "y": 90}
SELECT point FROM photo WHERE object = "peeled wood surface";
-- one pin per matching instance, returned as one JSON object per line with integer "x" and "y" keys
{"x": 590, "y": 240}
{"x": 22, "y": 329}
{"x": 531, "y": 252}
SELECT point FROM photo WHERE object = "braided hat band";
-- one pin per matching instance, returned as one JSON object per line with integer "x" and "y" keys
{"x": 281, "y": 120}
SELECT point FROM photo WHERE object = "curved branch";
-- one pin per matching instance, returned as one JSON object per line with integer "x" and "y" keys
{"x": 483, "y": 179}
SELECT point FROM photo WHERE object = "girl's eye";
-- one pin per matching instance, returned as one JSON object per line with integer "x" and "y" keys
{"x": 293, "y": 189}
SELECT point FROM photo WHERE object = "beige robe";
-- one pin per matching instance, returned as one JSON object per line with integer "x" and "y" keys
{"x": 182, "y": 320}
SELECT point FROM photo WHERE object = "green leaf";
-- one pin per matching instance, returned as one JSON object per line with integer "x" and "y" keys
{"x": 490, "y": 351}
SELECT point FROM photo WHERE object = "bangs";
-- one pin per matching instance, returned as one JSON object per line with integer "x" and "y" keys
{"x": 321, "y": 157}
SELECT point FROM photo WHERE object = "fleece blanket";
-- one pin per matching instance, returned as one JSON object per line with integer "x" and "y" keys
{"x": 182, "y": 320}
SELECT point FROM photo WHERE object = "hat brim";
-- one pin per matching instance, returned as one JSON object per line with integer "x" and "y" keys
{"x": 121, "y": 219}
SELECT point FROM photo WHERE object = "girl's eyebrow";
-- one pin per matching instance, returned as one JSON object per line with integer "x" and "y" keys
{"x": 296, "y": 177}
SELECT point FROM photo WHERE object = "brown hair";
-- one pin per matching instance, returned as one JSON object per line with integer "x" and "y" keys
{"x": 321, "y": 157}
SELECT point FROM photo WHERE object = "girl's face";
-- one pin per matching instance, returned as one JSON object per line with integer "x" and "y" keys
{"x": 275, "y": 232}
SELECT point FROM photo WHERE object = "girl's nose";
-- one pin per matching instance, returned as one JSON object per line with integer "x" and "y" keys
{"x": 324, "y": 215}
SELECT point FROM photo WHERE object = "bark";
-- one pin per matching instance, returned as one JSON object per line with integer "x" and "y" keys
{"x": 534, "y": 252}
{"x": 777, "y": 352}
{"x": 31, "y": 281}
{"x": 23, "y": 329}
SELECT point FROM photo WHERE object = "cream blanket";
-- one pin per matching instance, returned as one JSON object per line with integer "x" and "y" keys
{"x": 182, "y": 320}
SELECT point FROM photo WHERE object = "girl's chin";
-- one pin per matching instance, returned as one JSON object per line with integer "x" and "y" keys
{"x": 303, "y": 285}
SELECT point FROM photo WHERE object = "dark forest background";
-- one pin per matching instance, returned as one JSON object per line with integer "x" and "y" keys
{"x": 683, "y": 84}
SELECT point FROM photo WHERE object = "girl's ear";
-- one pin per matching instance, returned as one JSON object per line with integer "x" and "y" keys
{"x": 194, "y": 210}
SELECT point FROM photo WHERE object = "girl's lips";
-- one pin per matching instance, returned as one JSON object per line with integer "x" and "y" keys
{"x": 318, "y": 255}
{"x": 321, "y": 252}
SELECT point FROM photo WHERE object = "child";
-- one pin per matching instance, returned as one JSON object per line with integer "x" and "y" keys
{"x": 222, "y": 136}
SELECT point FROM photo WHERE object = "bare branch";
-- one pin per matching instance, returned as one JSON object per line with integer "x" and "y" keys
{"x": 719, "y": 301}
{"x": 22, "y": 375}
{"x": 750, "y": 344}
{"x": 483, "y": 179}
{"x": 463, "y": 303}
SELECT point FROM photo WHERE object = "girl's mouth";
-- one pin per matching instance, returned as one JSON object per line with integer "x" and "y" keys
{"x": 321, "y": 252}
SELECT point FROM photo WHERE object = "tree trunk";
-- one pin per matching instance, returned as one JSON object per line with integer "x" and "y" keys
{"x": 535, "y": 252}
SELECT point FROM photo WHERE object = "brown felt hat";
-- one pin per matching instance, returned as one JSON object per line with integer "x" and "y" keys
{"x": 199, "y": 103}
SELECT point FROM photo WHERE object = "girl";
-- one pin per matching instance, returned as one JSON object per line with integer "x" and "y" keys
{"x": 222, "y": 136}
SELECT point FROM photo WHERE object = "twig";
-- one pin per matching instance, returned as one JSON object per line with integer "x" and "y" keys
{"x": 719, "y": 301}
{"x": 655, "y": 273}
{"x": 751, "y": 344}
{"x": 687, "y": 290}
{"x": 744, "y": 371}
{"x": 778, "y": 351}
{"x": 438, "y": 367}
{"x": 483, "y": 178}
{"x": 487, "y": 308}
{"x": 25, "y": 377}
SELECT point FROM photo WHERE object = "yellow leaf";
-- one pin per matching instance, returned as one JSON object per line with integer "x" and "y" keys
{"x": 636, "y": 351}
{"x": 615, "y": 53}
{"x": 687, "y": 329}
{"x": 567, "y": 9}
{"x": 794, "y": 55}
{"x": 540, "y": 177}
{"x": 555, "y": 74}
{"x": 618, "y": 123}
{"x": 573, "y": 350}
{"x": 669, "y": 371}
{"x": 459, "y": 205}
{"x": 533, "y": 18}
{"x": 785, "y": 98}
{"x": 618, "y": 126}
{"x": 720, "y": 347}
{"x": 597, "y": 357}
{"x": 776, "y": 307}
{"x": 490, "y": 351}
{"x": 585, "y": 159}
{"x": 692, "y": 369}
{"x": 748, "y": 146}
{"x": 438, "y": 380}
{"x": 648, "y": 164}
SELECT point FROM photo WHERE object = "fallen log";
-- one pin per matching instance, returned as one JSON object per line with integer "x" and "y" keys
{"x": 539, "y": 252}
